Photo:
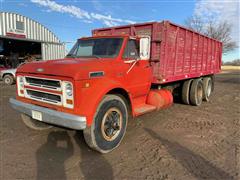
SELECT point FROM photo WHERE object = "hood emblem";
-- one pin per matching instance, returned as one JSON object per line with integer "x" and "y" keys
{"x": 40, "y": 69}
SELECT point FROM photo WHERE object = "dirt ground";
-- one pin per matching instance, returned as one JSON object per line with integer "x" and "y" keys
{"x": 182, "y": 142}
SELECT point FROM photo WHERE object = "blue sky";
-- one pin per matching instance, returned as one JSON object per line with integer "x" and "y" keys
{"x": 71, "y": 19}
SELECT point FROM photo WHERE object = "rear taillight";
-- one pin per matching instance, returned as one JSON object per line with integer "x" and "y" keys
{"x": 20, "y": 86}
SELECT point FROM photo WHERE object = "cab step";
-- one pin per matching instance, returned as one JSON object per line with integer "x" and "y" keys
{"x": 143, "y": 108}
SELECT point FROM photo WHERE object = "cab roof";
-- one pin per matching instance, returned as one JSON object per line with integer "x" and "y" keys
{"x": 106, "y": 36}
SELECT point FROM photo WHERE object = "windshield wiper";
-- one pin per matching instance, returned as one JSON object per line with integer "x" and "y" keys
{"x": 71, "y": 55}
{"x": 96, "y": 56}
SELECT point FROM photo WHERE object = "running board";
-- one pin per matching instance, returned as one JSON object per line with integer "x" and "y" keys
{"x": 144, "y": 108}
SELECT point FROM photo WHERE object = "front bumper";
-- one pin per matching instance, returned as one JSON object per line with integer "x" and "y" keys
{"x": 51, "y": 116}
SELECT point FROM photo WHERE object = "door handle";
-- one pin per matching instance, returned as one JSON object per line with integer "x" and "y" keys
{"x": 120, "y": 74}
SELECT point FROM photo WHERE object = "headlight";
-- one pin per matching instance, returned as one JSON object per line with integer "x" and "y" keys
{"x": 20, "y": 86}
{"x": 67, "y": 94}
{"x": 69, "y": 89}
{"x": 21, "y": 82}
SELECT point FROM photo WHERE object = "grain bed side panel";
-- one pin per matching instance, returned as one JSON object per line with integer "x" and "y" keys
{"x": 186, "y": 54}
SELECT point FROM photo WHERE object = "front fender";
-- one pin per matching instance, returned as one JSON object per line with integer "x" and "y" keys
{"x": 88, "y": 98}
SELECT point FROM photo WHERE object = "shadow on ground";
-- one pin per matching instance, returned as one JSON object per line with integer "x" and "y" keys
{"x": 195, "y": 164}
{"x": 59, "y": 148}
{"x": 93, "y": 165}
{"x": 52, "y": 155}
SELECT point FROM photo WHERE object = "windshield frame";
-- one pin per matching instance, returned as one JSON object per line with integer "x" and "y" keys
{"x": 72, "y": 52}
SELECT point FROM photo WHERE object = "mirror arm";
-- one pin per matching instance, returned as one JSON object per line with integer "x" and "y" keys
{"x": 129, "y": 61}
{"x": 132, "y": 66}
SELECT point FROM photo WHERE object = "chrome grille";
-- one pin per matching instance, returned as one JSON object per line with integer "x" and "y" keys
{"x": 43, "y": 83}
{"x": 43, "y": 96}
{"x": 43, "y": 89}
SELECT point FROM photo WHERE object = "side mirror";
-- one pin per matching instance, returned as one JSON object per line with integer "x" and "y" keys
{"x": 145, "y": 48}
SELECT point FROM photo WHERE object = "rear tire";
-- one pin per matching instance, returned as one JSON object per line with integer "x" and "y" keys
{"x": 8, "y": 79}
{"x": 109, "y": 125}
{"x": 207, "y": 88}
{"x": 34, "y": 124}
{"x": 213, "y": 82}
{"x": 196, "y": 92}
{"x": 185, "y": 91}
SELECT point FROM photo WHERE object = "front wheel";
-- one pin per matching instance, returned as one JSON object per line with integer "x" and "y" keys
{"x": 109, "y": 125}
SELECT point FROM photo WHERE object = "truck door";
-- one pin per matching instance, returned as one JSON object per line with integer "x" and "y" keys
{"x": 138, "y": 72}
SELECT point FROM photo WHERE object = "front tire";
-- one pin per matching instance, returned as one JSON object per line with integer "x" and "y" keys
{"x": 109, "y": 125}
{"x": 34, "y": 124}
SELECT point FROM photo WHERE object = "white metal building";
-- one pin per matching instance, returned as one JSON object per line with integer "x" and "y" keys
{"x": 20, "y": 33}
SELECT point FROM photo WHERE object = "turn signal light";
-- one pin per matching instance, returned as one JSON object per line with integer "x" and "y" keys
{"x": 69, "y": 101}
{"x": 86, "y": 85}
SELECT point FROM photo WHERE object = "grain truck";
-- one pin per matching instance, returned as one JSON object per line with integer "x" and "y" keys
{"x": 118, "y": 73}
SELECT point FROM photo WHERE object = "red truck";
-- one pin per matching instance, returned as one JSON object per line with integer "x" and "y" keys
{"x": 118, "y": 72}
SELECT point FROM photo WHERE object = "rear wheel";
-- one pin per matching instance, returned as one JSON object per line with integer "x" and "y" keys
{"x": 34, "y": 124}
{"x": 185, "y": 91}
{"x": 196, "y": 92}
{"x": 207, "y": 88}
{"x": 109, "y": 125}
{"x": 8, "y": 79}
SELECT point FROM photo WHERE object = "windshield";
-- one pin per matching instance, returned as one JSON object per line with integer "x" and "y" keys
{"x": 99, "y": 48}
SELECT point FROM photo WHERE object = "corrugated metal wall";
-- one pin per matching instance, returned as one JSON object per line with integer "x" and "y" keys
{"x": 52, "y": 51}
{"x": 52, "y": 48}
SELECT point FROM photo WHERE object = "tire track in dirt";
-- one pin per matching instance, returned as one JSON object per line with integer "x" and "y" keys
{"x": 192, "y": 160}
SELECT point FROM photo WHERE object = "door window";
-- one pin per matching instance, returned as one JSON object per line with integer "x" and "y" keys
{"x": 131, "y": 50}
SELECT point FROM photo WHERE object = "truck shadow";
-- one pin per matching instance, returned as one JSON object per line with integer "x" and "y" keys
{"x": 93, "y": 165}
{"x": 52, "y": 155}
{"x": 195, "y": 164}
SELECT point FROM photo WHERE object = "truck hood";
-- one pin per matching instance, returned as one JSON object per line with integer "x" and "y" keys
{"x": 73, "y": 68}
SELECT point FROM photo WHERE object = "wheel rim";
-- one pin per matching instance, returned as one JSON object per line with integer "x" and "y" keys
{"x": 111, "y": 124}
{"x": 209, "y": 88}
{"x": 7, "y": 81}
{"x": 199, "y": 93}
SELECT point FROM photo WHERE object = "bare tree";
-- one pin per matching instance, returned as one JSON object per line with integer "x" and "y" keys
{"x": 235, "y": 62}
{"x": 195, "y": 23}
{"x": 217, "y": 30}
